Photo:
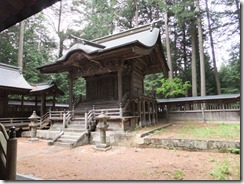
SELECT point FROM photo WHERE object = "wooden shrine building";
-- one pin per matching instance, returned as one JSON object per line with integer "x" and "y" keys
{"x": 114, "y": 67}
{"x": 18, "y": 98}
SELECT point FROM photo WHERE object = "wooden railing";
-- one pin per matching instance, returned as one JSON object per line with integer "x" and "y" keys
{"x": 112, "y": 113}
{"x": 8, "y": 154}
{"x": 89, "y": 117}
{"x": 18, "y": 122}
{"x": 66, "y": 118}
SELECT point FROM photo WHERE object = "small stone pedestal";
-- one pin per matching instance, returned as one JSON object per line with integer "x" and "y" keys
{"x": 33, "y": 126}
{"x": 103, "y": 126}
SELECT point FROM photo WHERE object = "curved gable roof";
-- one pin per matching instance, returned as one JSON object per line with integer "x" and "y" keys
{"x": 133, "y": 43}
{"x": 10, "y": 77}
{"x": 145, "y": 37}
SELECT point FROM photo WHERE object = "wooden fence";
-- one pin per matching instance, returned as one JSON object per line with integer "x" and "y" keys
{"x": 207, "y": 112}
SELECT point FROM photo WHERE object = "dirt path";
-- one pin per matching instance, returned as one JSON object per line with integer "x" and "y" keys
{"x": 84, "y": 163}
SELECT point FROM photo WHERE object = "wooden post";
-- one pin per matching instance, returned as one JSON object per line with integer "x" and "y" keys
{"x": 36, "y": 102}
{"x": 224, "y": 115}
{"x": 43, "y": 104}
{"x": 22, "y": 104}
{"x": 120, "y": 110}
{"x": 139, "y": 111}
{"x": 86, "y": 118}
{"x": 54, "y": 98}
{"x": 149, "y": 113}
{"x": 64, "y": 120}
{"x": 167, "y": 112}
{"x": 70, "y": 92}
{"x": 144, "y": 111}
{"x": 93, "y": 111}
{"x": 120, "y": 85}
{"x": 11, "y": 155}
{"x": 154, "y": 113}
{"x": 203, "y": 115}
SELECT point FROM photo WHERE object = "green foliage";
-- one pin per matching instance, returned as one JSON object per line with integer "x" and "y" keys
{"x": 37, "y": 48}
{"x": 234, "y": 150}
{"x": 178, "y": 175}
{"x": 126, "y": 14}
{"x": 152, "y": 82}
{"x": 8, "y": 45}
{"x": 230, "y": 75}
{"x": 61, "y": 80}
{"x": 100, "y": 16}
{"x": 221, "y": 171}
{"x": 173, "y": 88}
{"x": 219, "y": 131}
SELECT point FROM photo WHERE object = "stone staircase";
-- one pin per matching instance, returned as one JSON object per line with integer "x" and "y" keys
{"x": 72, "y": 139}
{"x": 75, "y": 134}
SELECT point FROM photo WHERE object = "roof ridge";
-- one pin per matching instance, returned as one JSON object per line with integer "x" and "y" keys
{"x": 150, "y": 26}
{"x": 7, "y": 66}
{"x": 122, "y": 34}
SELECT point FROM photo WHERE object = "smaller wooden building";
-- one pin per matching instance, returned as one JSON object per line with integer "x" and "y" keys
{"x": 208, "y": 109}
{"x": 12, "y": 83}
{"x": 18, "y": 98}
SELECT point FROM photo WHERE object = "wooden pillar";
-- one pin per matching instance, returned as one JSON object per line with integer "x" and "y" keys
{"x": 43, "y": 104}
{"x": 149, "y": 113}
{"x": 139, "y": 111}
{"x": 153, "y": 113}
{"x": 70, "y": 92}
{"x": 36, "y": 102}
{"x": 54, "y": 98}
{"x": 22, "y": 105}
{"x": 120, "y": 85}
{"x": 156, "y": 112}
{"x": 144, "y": 111}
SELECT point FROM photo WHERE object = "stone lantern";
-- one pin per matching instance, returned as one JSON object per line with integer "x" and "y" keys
{"x": 103, "y": 126}
{"x": 33, "y": 126}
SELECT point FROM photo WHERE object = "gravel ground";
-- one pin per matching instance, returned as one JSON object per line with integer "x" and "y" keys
{"x": 39, "y": 160}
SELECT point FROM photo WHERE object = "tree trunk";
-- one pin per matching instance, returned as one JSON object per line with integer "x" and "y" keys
{"x": 136, "y": 13}
{"x": 21, "y": 43}
{"x": 168, "y": 47}
{"x": 60, "y": 34}
{"x": 213, "y": 52}
{"x": 238, "y": 13}
{"x": 194, "y": 59}
{"x": 202, "y": 62}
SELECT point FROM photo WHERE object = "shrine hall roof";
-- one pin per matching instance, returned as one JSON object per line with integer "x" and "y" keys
{"x": 134, "y": 43}
{"x": 142, "y": 35}
{"x": 10, "y": 77}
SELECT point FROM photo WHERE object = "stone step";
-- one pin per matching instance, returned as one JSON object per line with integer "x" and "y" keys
{"x": 78, "y": 117}
{"x": 71, "y": 135}
{"x": 75, "y": 129}
{"x": 77, "y": 123}
{"x": 63, "y": 144}
{"x": 66, "y": 140}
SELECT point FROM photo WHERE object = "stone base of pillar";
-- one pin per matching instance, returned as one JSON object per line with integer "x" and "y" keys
{"x": 102, "y": 147}
{"x": 33, "y": 139}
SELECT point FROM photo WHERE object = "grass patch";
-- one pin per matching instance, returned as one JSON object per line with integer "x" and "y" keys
{"x": 178, "y": 175}
{"x": 218, "y": 131}
{"x": 221, "y": 172}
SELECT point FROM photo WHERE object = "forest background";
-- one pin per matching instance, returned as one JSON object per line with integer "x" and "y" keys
{"x": 201, "y": 41}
